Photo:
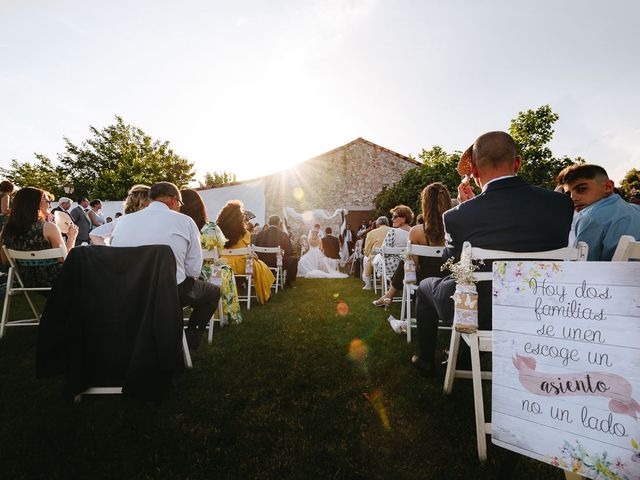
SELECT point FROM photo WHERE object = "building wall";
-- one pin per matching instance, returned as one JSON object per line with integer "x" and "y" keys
{"x": 347, "y": 177}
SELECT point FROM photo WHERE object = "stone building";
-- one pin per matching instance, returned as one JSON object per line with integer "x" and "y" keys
{"x": 346, "y": 177}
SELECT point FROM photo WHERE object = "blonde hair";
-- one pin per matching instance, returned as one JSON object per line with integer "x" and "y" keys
{"x": 137, "y": 198}
{"x": 404, "y": 212}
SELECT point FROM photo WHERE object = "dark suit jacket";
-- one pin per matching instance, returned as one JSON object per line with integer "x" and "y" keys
{"x": 510, "y": 215}
{"x": 273, "y": 237}
{"x": 59, "y": 209}
{"x": 123, "y": 327}
{"x": 80, "y": 218}
{"x": 331, "y": 246}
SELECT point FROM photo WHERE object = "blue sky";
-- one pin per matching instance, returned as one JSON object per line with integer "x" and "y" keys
{"x": 257, "y": 86}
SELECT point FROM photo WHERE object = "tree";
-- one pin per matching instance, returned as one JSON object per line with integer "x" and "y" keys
{"x": 532, "y": 131}
{"x": 630, "y": 182}
{"x": 437, "y": 166}
{"x": 108, "y": 163}
{"x": 218, "y": 178}
{"x": 41, "y": 174}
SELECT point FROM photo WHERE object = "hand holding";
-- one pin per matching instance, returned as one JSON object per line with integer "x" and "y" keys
{"x": 465, "y": 191}
{"x": 73, "y": 231}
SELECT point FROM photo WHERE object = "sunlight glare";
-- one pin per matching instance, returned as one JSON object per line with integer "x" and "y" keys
{"x": 342, "y": 308}
{"x": 377, "y": 402}
{"x": 358, "y": 350}
{"x": 298, "y": 194}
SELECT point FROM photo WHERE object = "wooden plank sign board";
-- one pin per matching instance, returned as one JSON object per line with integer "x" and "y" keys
{"x": 566, "y": 364}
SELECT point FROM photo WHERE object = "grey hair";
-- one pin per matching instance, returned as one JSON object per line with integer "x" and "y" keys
{"x": 382, "y": 220}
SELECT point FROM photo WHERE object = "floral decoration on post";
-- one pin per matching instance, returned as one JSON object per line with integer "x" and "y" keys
{"x": 465, "y": 298}
{"x": 212, "y": 237}
{"x": 409, "y": 268}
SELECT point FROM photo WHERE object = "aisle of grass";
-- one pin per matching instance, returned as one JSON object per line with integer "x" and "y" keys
{"x": 278, "y": 396}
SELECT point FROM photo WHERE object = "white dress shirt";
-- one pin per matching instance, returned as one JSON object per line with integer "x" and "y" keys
{"x": 159, "y": 225}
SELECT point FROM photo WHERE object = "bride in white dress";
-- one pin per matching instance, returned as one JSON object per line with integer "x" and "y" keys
{"x": 314, "y": 263}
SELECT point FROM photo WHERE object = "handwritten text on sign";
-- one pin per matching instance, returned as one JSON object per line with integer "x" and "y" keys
{"x": 566, "y": 364}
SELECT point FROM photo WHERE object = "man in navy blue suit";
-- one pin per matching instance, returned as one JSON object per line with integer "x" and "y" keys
{"x": 508, "y": 214}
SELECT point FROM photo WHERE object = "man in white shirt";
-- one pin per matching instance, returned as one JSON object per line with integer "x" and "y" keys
{"x": 161, "y": 223}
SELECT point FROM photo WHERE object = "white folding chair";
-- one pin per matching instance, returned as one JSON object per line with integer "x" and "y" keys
{"x": 356, "y": 256}
{"x": 278, "y": 270}
{"x": 24, "y": 258}
{"x": 386, "y": 251}
{"x": 628, "y": 249}
{"x": 213, "y": 255}
{"x": 118, "y": 390}
{"x": 377, "y": 270}
{"x": 410, "y": 288}
{"x": 245, "y": 252}
{"x": 482, "y": 340}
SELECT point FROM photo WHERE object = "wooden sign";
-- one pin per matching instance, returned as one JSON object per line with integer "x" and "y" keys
{"x": 566, "y": 364}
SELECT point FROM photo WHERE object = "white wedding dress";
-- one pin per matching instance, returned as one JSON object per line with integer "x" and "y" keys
{"x": 314, "y": 264}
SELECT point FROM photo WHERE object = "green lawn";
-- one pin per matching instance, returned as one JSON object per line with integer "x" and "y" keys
{"x": 278, "y": 396}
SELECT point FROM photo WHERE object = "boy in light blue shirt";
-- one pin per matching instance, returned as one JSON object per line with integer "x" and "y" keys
{"x": 603, "y": 216}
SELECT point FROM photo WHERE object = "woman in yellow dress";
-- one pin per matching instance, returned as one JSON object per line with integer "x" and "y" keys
{"x": 231, "y": 222}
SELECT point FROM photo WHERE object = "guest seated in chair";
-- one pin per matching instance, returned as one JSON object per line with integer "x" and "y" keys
{"x": 161, "y": 223}
{"x": 373, "y": 240}
{"x": 602, "y": 215}
{"x": 397, "y": 236}
{"x": 509, "y": 214}
{"x": 275, "y": 237}
{"x": 195, "y": 208}
{"x": 231, "y": 221}
{"x": 137, "y": 199}
{"x": 27, "y": 230}
{"x": 435, "y": 200}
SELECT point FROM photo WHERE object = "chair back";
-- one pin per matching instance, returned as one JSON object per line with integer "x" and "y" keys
{"x": 236, "y": 251}
{"x": 277, "y": 250}
{"x": 385, "y": 250}
{"x": 424, "y": 250}
{"x": 628, "y": 249}
{"x": 24, "y": 257}
{"x": 470, "y": 253}
{"x": 210, "y": 254}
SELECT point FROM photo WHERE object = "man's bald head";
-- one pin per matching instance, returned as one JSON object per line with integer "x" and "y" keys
{"x": 494, "y": 151}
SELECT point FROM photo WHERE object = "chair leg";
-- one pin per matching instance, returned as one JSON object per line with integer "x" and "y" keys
{"x": 249, "y": 292}
{"x": 406, "y": 292}
{"x": 33, "y": 307}
{"x": 7, "y": 302}
{"x": 478, "y": 397}
{"x": 277, "y": 282}
{"x": 454, "y": 346}
{"x": 185, "y": 351}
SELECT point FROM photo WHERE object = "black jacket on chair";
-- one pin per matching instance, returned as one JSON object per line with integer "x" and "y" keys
{"x": 113, "y": 318}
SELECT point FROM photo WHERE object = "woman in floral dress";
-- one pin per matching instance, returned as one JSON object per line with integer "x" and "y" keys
{"x": 211, "y": 237}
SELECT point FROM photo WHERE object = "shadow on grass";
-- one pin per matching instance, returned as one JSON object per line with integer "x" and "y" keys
{"x": 312, "y": 385}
